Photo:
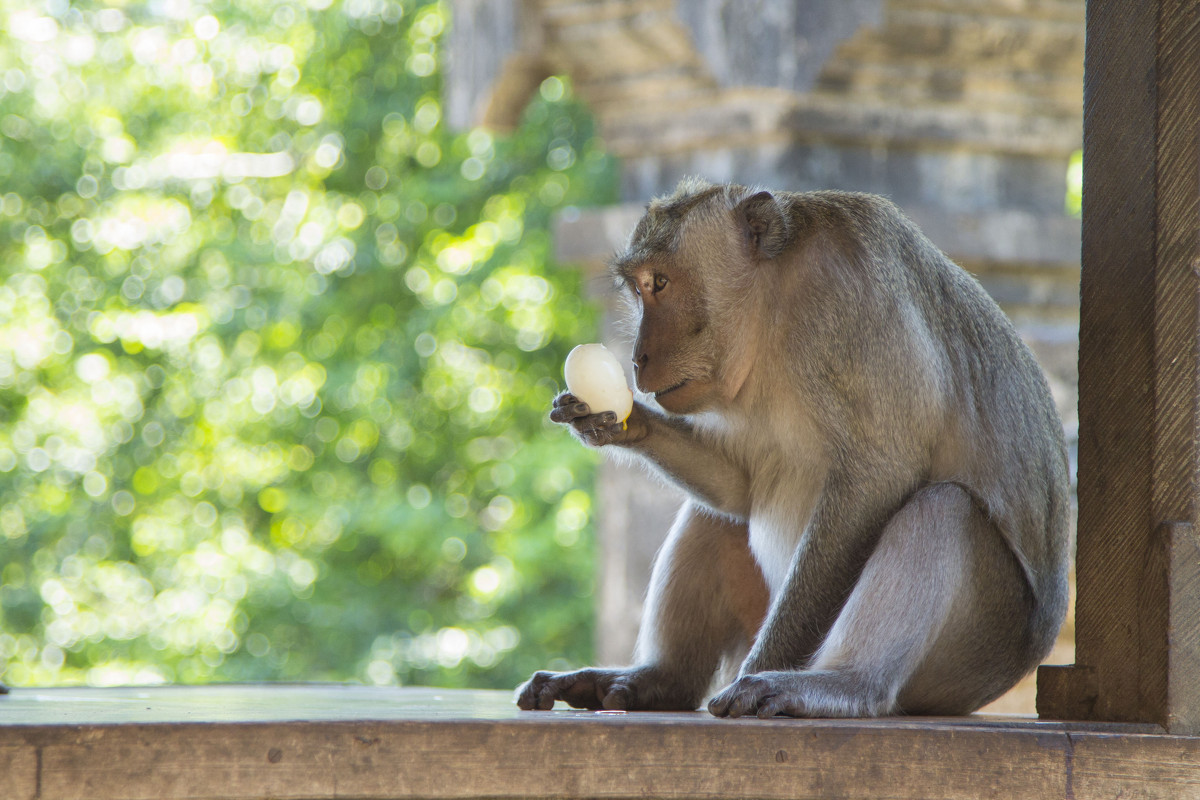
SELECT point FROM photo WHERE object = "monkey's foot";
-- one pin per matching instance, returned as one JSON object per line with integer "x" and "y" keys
{"x": 801, "y": 694}
{"x": 611, "y": 689}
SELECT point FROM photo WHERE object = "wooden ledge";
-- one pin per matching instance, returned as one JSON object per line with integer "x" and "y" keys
{"x": 320, "y": 741}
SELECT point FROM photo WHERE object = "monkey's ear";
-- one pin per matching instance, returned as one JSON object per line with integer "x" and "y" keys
{"x": 764, "y": 223}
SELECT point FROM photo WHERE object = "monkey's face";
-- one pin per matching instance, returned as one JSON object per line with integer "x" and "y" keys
{"x": 693, "y": 273}
{"x": 674, "y": 354}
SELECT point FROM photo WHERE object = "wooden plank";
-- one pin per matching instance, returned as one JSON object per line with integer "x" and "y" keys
{"x": 318, "y": 742}
{"x": 1175, "y": 688}
{"x": 552, "y": 758}
{"x": 1183, "y": 631}
{"x": 18, "y": 773}
{"x": 157, "y": 762}
{"x": 1139, "y": 372}
{"x": 1116, "y": 422}
{"x": 603, "y": 758}
{"x": 1142, "y": 767}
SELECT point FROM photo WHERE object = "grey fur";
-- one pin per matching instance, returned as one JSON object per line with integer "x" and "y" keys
{"x": 876, "y": 468}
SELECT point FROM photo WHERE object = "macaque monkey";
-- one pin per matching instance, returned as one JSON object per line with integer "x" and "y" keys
{"x": 877, "y": 478}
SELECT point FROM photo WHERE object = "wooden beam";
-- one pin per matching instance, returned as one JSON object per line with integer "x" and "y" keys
{"x": 323, "y": 742}
{"x": 1138, "y": 564}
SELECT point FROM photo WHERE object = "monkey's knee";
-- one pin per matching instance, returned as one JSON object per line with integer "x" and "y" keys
{"x": 940, "y": 615}
{"x": 986, "y": 641}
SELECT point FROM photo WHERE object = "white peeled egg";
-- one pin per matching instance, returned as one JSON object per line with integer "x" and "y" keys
{"x": 595, "y": 376}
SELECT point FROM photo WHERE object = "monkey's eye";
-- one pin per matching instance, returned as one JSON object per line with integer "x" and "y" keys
{"x": 660, "y": 283}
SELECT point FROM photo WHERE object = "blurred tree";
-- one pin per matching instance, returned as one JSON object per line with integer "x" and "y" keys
{"x": 276, "y": 350}
{"x": 1075, "y": 185}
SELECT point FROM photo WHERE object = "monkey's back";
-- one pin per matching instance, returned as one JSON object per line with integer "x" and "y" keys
{"x": 997, "y": 431}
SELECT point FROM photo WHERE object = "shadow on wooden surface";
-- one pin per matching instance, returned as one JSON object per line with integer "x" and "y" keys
{"x": 320, "y": 741}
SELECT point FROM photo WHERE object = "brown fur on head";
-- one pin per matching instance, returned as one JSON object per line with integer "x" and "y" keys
{"x": 692, "y": 271}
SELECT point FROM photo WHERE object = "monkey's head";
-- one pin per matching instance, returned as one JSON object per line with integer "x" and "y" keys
{"x": 693, "y": 274}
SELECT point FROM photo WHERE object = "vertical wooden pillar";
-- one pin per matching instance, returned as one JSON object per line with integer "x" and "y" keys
{"x": 1138, "y": 561}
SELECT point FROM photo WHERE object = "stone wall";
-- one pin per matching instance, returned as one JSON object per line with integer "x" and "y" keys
{"x": 964, "y": 112}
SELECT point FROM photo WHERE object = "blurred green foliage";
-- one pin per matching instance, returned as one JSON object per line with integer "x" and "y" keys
{"x": 276, "y": 349}
{"x": 1074, "y": 203}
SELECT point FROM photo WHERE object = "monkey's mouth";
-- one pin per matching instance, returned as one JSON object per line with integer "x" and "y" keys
{"x": 670, "y": 389}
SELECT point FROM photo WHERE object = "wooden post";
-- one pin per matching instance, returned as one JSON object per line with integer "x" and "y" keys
{"x": 1138, "y": 562}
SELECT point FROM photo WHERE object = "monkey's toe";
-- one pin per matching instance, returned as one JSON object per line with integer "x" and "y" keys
{"x": 780, "y": 705}
{"x": 749, "y": 694}
{"x": 619, "y": 698}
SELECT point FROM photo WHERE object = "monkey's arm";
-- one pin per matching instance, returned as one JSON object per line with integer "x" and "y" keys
{"x": 670, "y": 444}
{"x": 824, "y": 569}
{"x": 822, "y": 577}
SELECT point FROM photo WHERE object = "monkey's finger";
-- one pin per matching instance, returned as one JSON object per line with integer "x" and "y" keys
{"x": 565, "y": 399}
{"x": 602, "y": 426}
{"x": 571, "y": 413}
{"x": 526, "y": 698}
{"x": 583, "y": 692}
{"x": 774, "y": 706}
{"x": 738, "y": 700}
{"x": 744, "y": 705}
{"x": 740, "y": 706}
{"x": 527, "y": 692}
{"x": 598, "y": 423}
{"x": 546, "y": 697}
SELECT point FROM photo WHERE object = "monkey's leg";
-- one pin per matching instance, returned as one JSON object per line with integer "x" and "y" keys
{"x": 706, "y": 600}
{"x": 938, "y": 622}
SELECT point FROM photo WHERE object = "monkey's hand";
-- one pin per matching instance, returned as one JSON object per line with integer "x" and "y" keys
{"x": 597, "y": 430}
{"x": 630, "y": 689}
{"x": 669, "y": 443}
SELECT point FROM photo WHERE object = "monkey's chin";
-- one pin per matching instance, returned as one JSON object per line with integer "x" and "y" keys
{"x": 683, "y": 398}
